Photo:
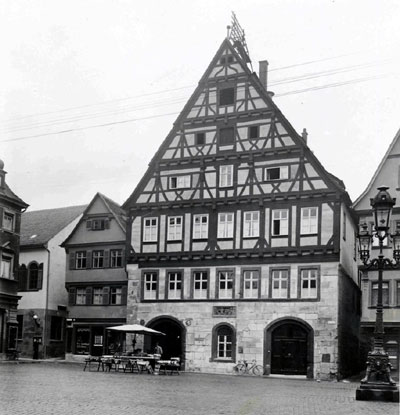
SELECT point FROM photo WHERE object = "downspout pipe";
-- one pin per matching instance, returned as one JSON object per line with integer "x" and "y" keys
{"x": 46, "y": 336}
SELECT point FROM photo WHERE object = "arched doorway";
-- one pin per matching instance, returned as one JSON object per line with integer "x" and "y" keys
{"x": 290, "y": 347}
{"x": 173, "y": 343}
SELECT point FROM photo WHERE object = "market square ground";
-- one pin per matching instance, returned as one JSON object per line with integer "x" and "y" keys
{"x": 60, "y": 388}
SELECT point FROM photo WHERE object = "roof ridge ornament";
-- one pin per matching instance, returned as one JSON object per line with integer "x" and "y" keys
{"x": 237, "y": 37}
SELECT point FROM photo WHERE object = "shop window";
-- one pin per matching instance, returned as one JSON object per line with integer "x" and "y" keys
{"x": 82, "y": 343}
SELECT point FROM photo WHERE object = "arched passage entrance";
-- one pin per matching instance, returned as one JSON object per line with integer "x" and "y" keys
{"x": 173, "y": 343}
{"x": 289, "y": 347}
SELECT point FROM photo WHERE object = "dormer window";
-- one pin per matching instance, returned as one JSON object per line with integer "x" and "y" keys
{"x": 226, "y": 96}
{"x": 276, "y": 173}
{"x": 179, "y": 182}
{"x": 97, "y": 224}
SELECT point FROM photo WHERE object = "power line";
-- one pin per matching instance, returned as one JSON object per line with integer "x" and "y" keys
{"x": 175, "y": 113}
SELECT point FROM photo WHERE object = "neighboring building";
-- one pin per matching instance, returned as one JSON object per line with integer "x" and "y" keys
{"x": 42, "y": 309}
{"x": 242, "y": 244}
{"x": 387, "y": 174}
{"x": 11, "y": 207}
{"x": 96, "y": 278}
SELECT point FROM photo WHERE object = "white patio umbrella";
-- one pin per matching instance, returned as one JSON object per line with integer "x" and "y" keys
{"x": 136, "y": 329}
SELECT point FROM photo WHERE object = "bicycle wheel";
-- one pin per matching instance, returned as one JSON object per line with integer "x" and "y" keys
{"x": 257, "y": 370}
{"x": 240, "y": 369}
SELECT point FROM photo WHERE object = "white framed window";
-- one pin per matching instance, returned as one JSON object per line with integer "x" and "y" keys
{"x": 200, "y": 284}
{"x": 276, "y": 173}
{"x": 6, "y": 267}
{"x": 150, "y": 285}
{"x": 251, "y": 283}
{"x": 97, "y": 296}
{"x": 179, "y": 182}
{"x": 280, "y": 283}
{"x": 225, "y": 225}
{"x": 251, "y": 224}
{"x": 225, "y": 284}
{"x": 385, "y": 293}
{"x": 280, "y": 222}
{"x": 116, "y": 295}
{"x": 224, "y": 343}
{"x": 175, "y": 228}
{"x": 309, "y": 220}
{"x": 80, "y": 260}
{"x": 98, "y": 259}
{"x": 174, "y": 285}
{"x": 200, "y": 226}
{"x": 80, "y": 296}
{"x": 308, "y": 283}
{"x": 226, "y": 176}
{"x": 150, "y": 232}
{"x": 8, "y": 221}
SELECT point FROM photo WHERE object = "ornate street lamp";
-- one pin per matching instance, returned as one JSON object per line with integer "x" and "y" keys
{"x": 377, "y": 383}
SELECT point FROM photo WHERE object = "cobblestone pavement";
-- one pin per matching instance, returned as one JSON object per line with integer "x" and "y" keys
{"x": 60, "y": 388}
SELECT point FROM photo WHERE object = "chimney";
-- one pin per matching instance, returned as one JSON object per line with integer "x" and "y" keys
{"x": 263, "y": 73}
{"x": 304, "y": 134}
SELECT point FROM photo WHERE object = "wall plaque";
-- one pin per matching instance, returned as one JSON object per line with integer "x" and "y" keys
{"x": 224, "y": 311}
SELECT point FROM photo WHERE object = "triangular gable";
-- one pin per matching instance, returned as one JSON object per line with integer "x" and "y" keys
{"x": 202, "y": 114}
{"x": 99, "y": 205}
{"x": 387, "y": 174}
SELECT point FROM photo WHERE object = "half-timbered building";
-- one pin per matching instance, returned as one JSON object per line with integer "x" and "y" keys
{"x": 241, "y": 243}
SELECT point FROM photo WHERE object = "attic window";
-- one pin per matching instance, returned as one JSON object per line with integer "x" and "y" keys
{"x": 226, "y": 59}
{"x": 226, "y": 136}
{"x": 226, "y": 96}
{"x": 254, "y": 131}
{"x": 97, "y": 224}
{"x": 200, "y": 139}
{"x": 276, "y": 173}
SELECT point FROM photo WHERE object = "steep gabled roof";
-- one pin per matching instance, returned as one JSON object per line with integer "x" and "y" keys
{"x": 113, "y": 207}
{"x": 8, "y": 194}
{"x": 272, "y": 107}
{"x": 38, "y": 227}
{"x": 378, "y": 170}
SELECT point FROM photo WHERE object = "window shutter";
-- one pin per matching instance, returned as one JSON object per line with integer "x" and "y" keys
{"x": 72, "y": 260}
{"x": 71, "y": 296}
{"x": 22, "y": 278}
{"x": 124, "y": 293}
{"x": 106, "y": 295}
{"x": 40, "y": 277}
{"x": 88, "y": 295}
{"x": 106, "y": 224}
{"x": 88, "y": 259}
{"x": 88, "y": 224}
{"x": 106, "y": 259}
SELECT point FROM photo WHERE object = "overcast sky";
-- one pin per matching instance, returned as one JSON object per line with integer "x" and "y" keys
{"x": 89, "y": 89}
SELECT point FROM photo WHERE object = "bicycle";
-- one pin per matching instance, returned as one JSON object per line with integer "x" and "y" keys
{"x": 243, "y": 367}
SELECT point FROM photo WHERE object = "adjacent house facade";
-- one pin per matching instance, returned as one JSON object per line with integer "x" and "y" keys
{"x": 11, "y": 207}
{"x": 387, "y": 174}
{"x": 42, "y": 310}
{"x": 242, "y": 246}
{"x": 96, "y": 279}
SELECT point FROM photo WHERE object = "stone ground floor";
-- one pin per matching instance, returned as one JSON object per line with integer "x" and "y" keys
{"x": 58, "y": 388}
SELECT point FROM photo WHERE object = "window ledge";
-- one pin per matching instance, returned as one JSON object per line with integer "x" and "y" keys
{"x": 222, "y": 360}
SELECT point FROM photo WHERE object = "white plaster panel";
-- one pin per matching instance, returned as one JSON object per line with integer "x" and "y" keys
{"x": 319, "y": 184}
{"x": 238, "y": 228}
{"x": 308, "y": 240}
{"x": 277, "y": 242}
{"x": 199, "y": 246}
{"x": 326, "y": 223}
{"x": 225, "y": 244}
{"x": 136, "y": 233}
{"x": 149, "y": 185}
{"x": 149, "y": 248}
{"x": 294, "y": 233}
{"x": 267, "y": 226}
{"x": 187, "y": 230}
{"x": 162, "y": 232}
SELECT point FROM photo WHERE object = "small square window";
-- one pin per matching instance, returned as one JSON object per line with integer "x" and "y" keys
{"x": 226, "y": 96}
{"x": 200, "y": 139}
{"x": 226, "y": 136}
{"x": 8, "y": 221}
{"x": 254, "y": 131}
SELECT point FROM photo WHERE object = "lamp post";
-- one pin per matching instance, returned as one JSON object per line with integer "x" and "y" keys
{"x": 377, "y": 383}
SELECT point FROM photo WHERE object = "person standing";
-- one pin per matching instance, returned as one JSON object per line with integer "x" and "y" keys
{"x": 158, "y": 349}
